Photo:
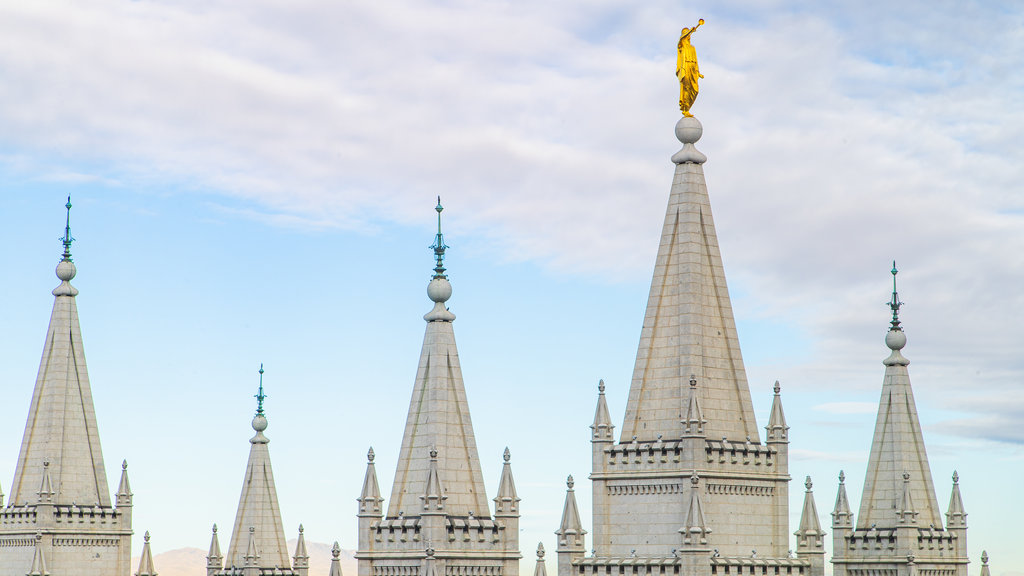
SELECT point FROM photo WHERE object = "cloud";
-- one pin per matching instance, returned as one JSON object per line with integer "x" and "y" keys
{"x": 836, "y": 141}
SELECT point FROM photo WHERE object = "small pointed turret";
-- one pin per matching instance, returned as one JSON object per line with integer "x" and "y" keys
{"x": 45, "y": 493}
{"x": 693, "y": 424}
{"x": 777, "y": 429}
{"x": 956, "y": 516}
{"x": 905, "y": 511}
{"x": 146, "y": 567}
{"x": 1, "y": 496}
{"x": 214, "y": 559}
{"x": 38, "y": 567}
{"x": 695, "y": 529}
{"x": 433, "y": 496}
{"x": 369, "y": 499}
{"x": 506, "y": 503}
{"x": 300, "y": 562}
{"x": 570, "y": 533}
{"x": 252, "y": 552}
{"x": 809, "y": 536}
{"x": 540, "y": 569}
{"x": 984, "y": 564}
{"x": 603, "y": 429}
{"x": 124, "y": 488}
{"x": 335, "y": 560}
{"x": 842, "y": 517}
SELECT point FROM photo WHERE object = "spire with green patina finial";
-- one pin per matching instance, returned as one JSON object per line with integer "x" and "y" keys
{"x": 260, "y": 396}
{"x": 439, "y": 246}
{"x": 895, "y": 303}
{"x": 67, "y": 239}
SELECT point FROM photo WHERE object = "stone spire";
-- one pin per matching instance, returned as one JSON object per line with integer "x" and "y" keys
{"x": 603, "y": 429}
{"x": 38, "y": 567}
{"x": 540, "y": 569}
{"x": 300, "y": 562}
{"x": 956, "y": 516}
{"x": 898, "y": 485}
{"x": 335, "y": 560}
{"x": 124, "y": 488}
{"x": 777, "y": 429}
{"x": 61, "y": 425}
{"x": 695, "y": 528}
{"x": 146, "y": 567}
{"x": 506, "y": 503}
{"x": 439, "y": 415}
{"x": 570, "y": 533}
{"x": 689, "y": 326}
{"x": 984, "y": 564}
{"x": 369, "y": 499}
{"x": 214, "y": 559}
{"x": 810, "y": 538}
{"x": 842, "y": 517}
{"x": 258, "y": 528}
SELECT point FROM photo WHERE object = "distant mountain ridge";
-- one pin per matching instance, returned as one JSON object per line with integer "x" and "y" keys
{"x": 192, "y": 561}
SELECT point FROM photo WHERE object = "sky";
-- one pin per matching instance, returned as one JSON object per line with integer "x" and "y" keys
{"x": 255, "y": 184}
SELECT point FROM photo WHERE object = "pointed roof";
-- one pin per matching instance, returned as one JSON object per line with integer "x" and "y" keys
{"x": 602, "y": 426}
{"x": 898, "y": 447}
{"x": 61, "y": 425}
{"x": 956, "y": 516}
{"x": 570, "y": 532}
{"x": 214, "y": 559}
{"x": 777, "y": 429}
{"x": 695, "y": 528}
{"x": 301, "y": 558}
{"x": 809, "y": 533}
{"x": 124, "y": 488}
{"x": 38, "y": 567}
{"x": 146, "y": 567}
{"x": 842, "y": 516}
{"x": 439, "y": 416}
{"x": 688, "y": 327}
{"x": 258, "y": 519}
{"x": 335, "y": 560}
{"x": 507, "y": 500}
{"x": 984, "y": 564}
{"x": 369, "y": 499}
{"x": 540, "y": 569}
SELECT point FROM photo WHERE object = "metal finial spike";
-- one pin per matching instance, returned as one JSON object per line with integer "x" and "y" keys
{"x": 895, "y": 303}
{"x": 67, "y": 239}
{"x": 439, "y": 246}
{"x": 260, "y": 396}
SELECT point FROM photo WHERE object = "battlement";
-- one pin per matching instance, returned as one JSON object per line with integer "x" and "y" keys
{"x": 929, "y": 541}
{"x": 673, "y": 455}
{"x": 664, "y": 565}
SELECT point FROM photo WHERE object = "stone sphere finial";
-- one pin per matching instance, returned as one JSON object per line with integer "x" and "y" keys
{"x": 259, "y": 423}
{"x": 66, "y": 270}
{"x": 507, "y": 455}
{"x": 439, "y": 290}
{"x": 808, "y": 484}
{"x": 600, "y": 386}
{"x": 570, "y": 482}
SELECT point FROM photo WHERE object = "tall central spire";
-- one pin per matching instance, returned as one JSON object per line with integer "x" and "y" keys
{"x": 689, "y": 326}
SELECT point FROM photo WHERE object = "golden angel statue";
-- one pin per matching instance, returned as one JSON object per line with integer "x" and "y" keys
{"x": 687, "y": 70}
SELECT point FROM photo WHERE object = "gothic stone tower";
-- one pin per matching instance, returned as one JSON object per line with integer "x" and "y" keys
{"x": 690, "y": 487}
{"x": 438, "y": 521}
{"x": 899, "y": 531}
{"x": 60, "y": 519}
{"x": 257, "y": 542}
